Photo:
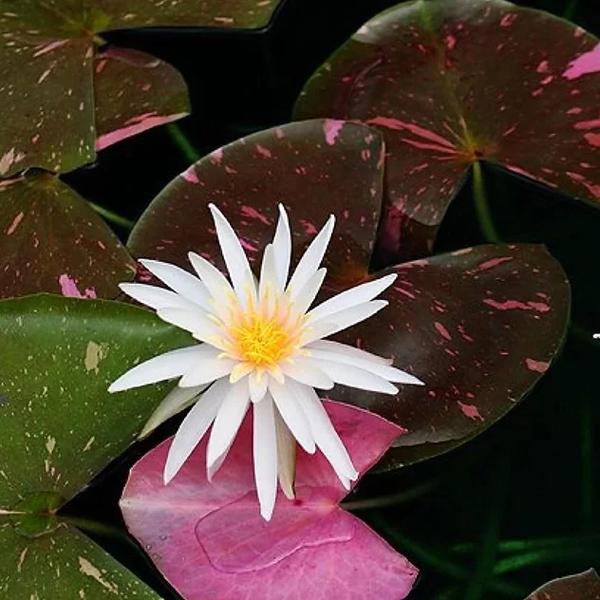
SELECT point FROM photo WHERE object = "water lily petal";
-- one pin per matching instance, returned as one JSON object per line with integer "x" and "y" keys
{"x": 177, "y": 400}
{"x": 311, "y": 259}
{"x": 341, "y": 320}
{"x": 164, "y": 366}
{"x": 193, "y": 428}
{"x": 216, "y": 283}
{"x": 286, "y": 453}
{"x": 354, "y": 296}
{"x": 309, "y": 292}
{"x": 265, "y": 456}
{"x": 179, "y": 280}
{"x": 257, "y": 385}
{"x": 268, "y": 288}
{"x": 282, "y": 244}
{"x": 234, "y": 256}
{"x": 355, "y": 377}
{"x": 339, "y": 348}
{"x": 156, "y": 297}
{"x": 207, "y": 368}
{"x": 194, "y": 321}
{"x": 292, "y": 414}
{"x": 228, "y": 421}
{"x": 326, "y": 437}
{"x": 307, "y": 372}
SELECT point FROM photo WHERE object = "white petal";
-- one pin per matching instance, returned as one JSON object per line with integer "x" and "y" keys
{"x": 307, "y": 372}
{"x": 179, "y": 281}
{"x": 234, "y": 256}
{"x": 195, "y": 322}
{"x": 292, "y": 414}
{"x": 341, "y": 321}
{"x": 309, "y": 292}
{"x": 164, "y": 366}
{"x": 382, "y": 370}
{"x": 177, "y": 400}
{"x": 286, "y": 455}
{"x": 193, "y": 428}
{"x": 257, "y": 386}
{"x": 268, "y": 288}
{"x": 228, "y": 421}
{"x": 338, "y": 348}
{"x": 352, "y": 297}
{"x": 207, "y": 368}
{"x": 282, "y": 243}
{"x": 156, "y": 297}
{"x": 311, "y": 260}
{"x": 326, "y": 437}
{"x": 216, "y": 283}
{"x": 357, "y": 378}
{"x": 264, "y": 448}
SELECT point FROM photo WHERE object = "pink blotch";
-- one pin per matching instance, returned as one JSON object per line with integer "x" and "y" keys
{"x": 309, "y": 228}
{"x": 248, "y": 246}
{"x": 594, "y": 189}
{"x": 547, "y": 80}
{"x": 539, "y": 366}
{"x": 398, "y": 125}
{"x": 494, "y": 262}
{"x": 15, "y": 224}
{"x": 516, "y": 304}
{"x": 593, "y": 139}
{"x": 190, "y": 175}
{"x": 442, "y": 330}
{"x": 591, "y": 124}
{"x": 470, "y": 411}
{"x": 263, "y": 151}
{"x": 251, "y": 213}
{"x": 100, "y": 66}
{"x": 405, "y": 292}
{"x": 279, "y": 133}
{"x": 216, "y": 157}
{"x": 49, "y": 47}
{"x": 68, "y": 287}
{"x": 450, "y": 41}
{"x": 508, "y": 20}
{"x": 543, "y": 67}
{"x": 584, "y": 64}
{"x": 135, "y": 126}
{"x": 332, "y": 128}
{"x": 576, "y": 110}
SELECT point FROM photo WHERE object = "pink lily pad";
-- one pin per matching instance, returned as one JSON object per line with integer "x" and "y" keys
{"x": 451, "y": 82}
{"x": 231, "y": 552}
{"x": 585, "y": 586}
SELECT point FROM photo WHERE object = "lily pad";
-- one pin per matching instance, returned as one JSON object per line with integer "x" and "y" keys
{"x": 451, "y": 82}
{"x": 231, "y": 552}
{"x": 52, "y": 241}
{"x": 585, "y": 586}
{"x": 49, "y": 69}
{"x": 60, "y": 427}
{"x": 479, "y": 326}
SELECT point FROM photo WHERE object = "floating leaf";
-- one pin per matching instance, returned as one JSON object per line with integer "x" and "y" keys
{"x": 60, "y": 427}
{"x": 52, "y": 241}
{"x": 585, "y": 586}
{"x": 450, "y": 82}
{"x": 49, "y": 71}
{"x": 322, "y": 166}
{"x": 479, "y": 326}
{"x": 231, "y": 552}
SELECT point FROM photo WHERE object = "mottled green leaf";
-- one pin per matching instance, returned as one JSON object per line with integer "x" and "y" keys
{"x": 450, "y": 82}
{"x": 52, "y": 241}
{"x": 60, "y": 427}
{"x": 48, "y": 61}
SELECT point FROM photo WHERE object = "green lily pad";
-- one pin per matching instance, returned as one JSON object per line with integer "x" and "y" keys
{"x": 49, "y": 72}
{"x": 451, "y": 82}
{"x": 60, "y": 427}
{"x": 51, "y": 240}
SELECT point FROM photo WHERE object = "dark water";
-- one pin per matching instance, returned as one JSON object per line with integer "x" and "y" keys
{"x": 534, "y": 476}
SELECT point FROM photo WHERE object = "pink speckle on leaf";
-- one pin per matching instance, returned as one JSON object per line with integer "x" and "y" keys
{"x": 591, "y": 124}
{"x": 15, "y": 224}
{"x": 583, "y": 65}
{"x": 251, "y": 213}
{"x": 248, "y": 246}
{"x": 190, "y": 175}
{"x": 470, "y": 411}
{"x": 593, "y": 139}
{"x": 508, "y": 19}
{"x": 494, "y": 262}
{"x": 516, "y": 304}
{"x": 539, "y": 366}
{"x": 309, "y": 227}
{"x": 543, "y": 67}
{"x": 332, "y": 128}
{"x": 263, "y": 151}
{"x": 216, "y": 157}
{"x": 450, "y": 41}
{"x": 49, "y": 47}
{"x": 442, "y": 330}
{"x": 68, "y": 287}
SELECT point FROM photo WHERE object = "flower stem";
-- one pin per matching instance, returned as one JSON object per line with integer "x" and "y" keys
{"x": 183, "y": 143}
{"x": 391, "y": 499}
{"x": 527, "y": 546}
{"x": 113, "y": 217}
{"x": 484, "y": 214}
{"x": 109, "y": 531}
{"x": 541, "y": 557}
{"x": 570, "y": 9}
{"x": 587, "y": 462}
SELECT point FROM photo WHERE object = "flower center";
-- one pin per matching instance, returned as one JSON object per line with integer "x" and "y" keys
{"x": 260, "y": 341}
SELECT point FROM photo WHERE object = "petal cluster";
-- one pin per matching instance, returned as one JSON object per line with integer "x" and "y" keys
{"x": 261, "y": 345}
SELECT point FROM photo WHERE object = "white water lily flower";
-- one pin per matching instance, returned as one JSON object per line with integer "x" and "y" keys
{"x": 261, "y": 344}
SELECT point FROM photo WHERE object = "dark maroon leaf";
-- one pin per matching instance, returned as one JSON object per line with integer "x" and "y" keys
{"x": 320, "y": 167}
{"x": 135, "y": 92}
{"x": 585, "y": 586}
{"x": 450, "y": 82}
{"x": 47, "y": 64}
{"x": 52, "y": 241}
{"x": 479, "y": 326}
